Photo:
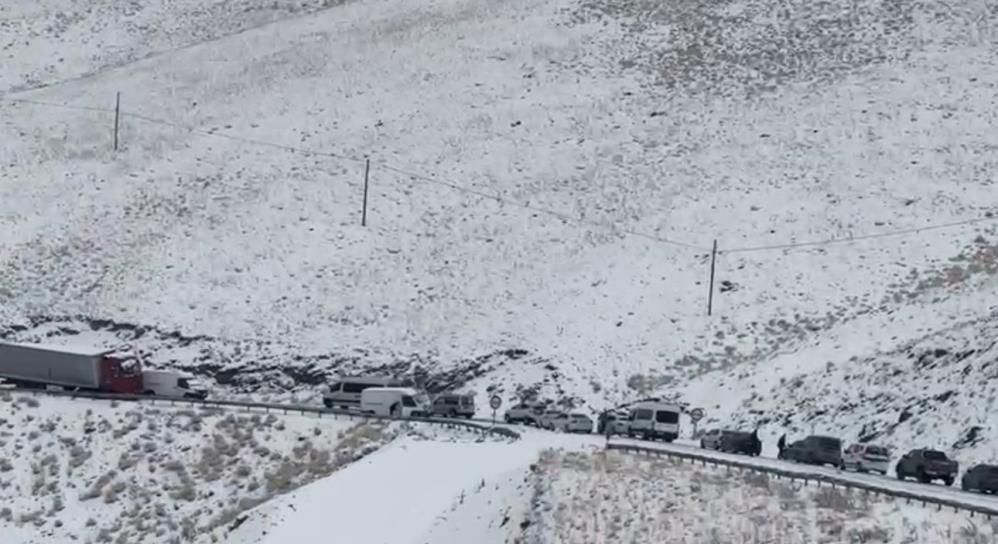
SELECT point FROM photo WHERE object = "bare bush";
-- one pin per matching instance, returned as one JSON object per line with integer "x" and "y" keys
{"x": 281, "y": 478}
{"x": 127, "y": 461}
{"x": 95, "y": 490}
{"x": 77, "y": 456}
{"x": 30, "y": 402}
{"x": 112, "y": 492}
{"x": 834, "y": 499}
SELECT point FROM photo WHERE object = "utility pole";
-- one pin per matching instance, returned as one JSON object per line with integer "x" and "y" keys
{"x": 367, "y": 171}
{"x": 710, "y": 294}
{"x": 117, "y": 116}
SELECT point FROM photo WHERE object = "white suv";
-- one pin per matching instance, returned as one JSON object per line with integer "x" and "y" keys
{"x": 866, "y": 458}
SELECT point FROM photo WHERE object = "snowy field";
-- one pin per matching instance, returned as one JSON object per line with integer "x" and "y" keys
{"x": 547, "y": 179}
{"x": 607, "y": 497}
{"x": 82, "y": 471}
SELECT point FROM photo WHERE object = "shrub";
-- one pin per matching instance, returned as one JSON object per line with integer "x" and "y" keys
{"x": 112, "y": 492}
{"x": 77, "y": 456}
{"x": 98, "y": 486}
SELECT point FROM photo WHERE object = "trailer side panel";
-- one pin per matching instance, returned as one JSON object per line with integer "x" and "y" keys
{"x": 37, "y": 364}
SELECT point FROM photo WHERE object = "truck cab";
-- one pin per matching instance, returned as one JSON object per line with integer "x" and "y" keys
{"x": 169, "y": 383}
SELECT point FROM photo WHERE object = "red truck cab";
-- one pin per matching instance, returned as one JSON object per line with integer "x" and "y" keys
{"x": 121, "y": 374}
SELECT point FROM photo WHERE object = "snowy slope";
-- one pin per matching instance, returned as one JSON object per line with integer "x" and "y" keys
{"x": 608, "y": 497}
{"x": 609, "y": 131}
{"x": 415, "y": 484}
{"x": 78, "y": 470}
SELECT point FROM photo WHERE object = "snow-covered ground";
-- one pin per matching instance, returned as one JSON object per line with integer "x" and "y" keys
{"x": 606, "y": 132}
{"x": 613, "y": 497}
{"x": 93, "y": 471}
{"x": 413, "y": 491}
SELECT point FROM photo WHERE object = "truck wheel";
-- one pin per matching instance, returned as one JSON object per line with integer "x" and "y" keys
{"x": 149, "y": 393}
{"x": 948, "y": 481}
{"x": 922, "y": 477}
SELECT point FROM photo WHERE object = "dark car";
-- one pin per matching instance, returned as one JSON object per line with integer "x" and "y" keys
{"x": 983, "y": 478}
{"x": 451, "y": 405}
{"x": 815, "y": 450}
{"x": 728, "y": 441}
{"x": 927, "y": 465}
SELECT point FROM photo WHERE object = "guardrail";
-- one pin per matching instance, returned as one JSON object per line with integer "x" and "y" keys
{"x": 806, "y": 477}
{"x": 273, "y": 407}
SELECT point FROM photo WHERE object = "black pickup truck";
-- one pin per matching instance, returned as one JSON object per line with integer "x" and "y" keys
{"x": 926, "y": 466}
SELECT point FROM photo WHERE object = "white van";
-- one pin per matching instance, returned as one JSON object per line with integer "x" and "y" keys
{"x": 167, "y": 383}
{"x": 394, "y": 402}
{"x": 345, "y": 393}
{"x": 654, "y": 420}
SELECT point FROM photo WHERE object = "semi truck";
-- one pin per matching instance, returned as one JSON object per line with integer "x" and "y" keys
{"x": 91, "y": 369}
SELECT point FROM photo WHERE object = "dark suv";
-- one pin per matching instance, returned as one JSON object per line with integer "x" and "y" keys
{"x": 983, "y": 478}
{"x": 927, "y": 465}
{"x": 451, "y": 405}
{"x": 815, "y": 450}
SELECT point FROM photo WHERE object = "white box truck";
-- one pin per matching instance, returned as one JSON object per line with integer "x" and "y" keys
{"x": 394, "y": 402}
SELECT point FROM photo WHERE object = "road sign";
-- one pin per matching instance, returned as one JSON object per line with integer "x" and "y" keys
{"x": 696, "y": 414}
{"x": 495, "y": 402}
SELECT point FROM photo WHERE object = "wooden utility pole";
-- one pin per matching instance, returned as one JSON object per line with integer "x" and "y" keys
{"x": 367, "y": 171}
{"x": 710, "y": 294}
{"x": 117, "y": 116}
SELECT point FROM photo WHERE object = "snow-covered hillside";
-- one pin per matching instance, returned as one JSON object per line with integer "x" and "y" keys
{"x": 93, "y": 471}
{"x": 547, "y": 179}
{"x": 607, "y": 497}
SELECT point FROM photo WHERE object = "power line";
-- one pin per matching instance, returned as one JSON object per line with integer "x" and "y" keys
{"x": 851, "y": 239}
{"x": 498, "y": 198}
{"x": 548, "y": 211}
{"x": 415, "y": 176}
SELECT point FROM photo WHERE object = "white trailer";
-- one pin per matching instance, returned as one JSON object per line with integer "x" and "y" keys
{"x": 394, "y": 402}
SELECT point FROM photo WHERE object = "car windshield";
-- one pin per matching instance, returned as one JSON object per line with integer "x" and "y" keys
{"x": 642, "y": 414}
{"x": 827, "y": 442}
{"x": 876, "y": 450}
{"x": 129, "y": 367}
{"x": 408, "y": 401}
{"x": 183, "y": 383}
{"x": 664, "y": 416}
{"x": 932, "y": 455}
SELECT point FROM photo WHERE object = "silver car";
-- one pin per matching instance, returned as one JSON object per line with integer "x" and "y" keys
{"x": 525, "y": 413}
{"x": 578, "y": 423}
{"x": 553, "y": 420}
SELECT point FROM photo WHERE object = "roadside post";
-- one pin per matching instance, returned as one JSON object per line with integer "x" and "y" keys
{"x": 495, "y": 402}
{"x": 696, "y": 415}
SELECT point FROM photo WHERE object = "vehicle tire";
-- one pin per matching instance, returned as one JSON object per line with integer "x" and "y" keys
{"x": 964, "y": 486}
{"x": 900, "y": 473}
{"x": 149, "y": 393}
{"x": 702, "y": 446}
{"x": 948, "y": 481}
{"x": 922, "y": 478}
